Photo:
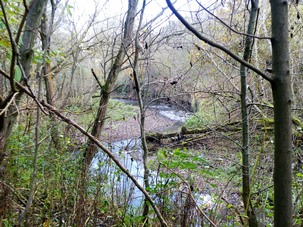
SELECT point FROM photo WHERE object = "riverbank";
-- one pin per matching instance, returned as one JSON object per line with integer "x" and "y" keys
{"x": 130, "y": 128}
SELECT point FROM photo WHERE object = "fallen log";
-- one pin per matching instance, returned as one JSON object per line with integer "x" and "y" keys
{"x": 156, "y": 137}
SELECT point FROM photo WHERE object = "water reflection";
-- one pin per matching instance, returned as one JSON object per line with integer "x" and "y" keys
{"x": 129, "y": 153}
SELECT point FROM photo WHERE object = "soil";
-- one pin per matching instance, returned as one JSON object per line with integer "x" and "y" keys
{"x": 130, "y": 128}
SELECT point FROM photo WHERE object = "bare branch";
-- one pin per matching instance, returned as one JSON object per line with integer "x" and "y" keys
{"x": 95, "y": 76}
{"x": 216, "y": 45}
{"x": 229, "y": 27}
{"x": 110, "y": 155}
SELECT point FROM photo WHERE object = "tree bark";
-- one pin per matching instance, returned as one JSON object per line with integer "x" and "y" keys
{"x": 33, "y": 22}
{"x": 282, "y": 110}
{"x": 46, "y": 30}
{"x": 142, "y": 116}
{"x": 245, "y": 118}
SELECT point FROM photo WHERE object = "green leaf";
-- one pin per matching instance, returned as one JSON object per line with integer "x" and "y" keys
{"x": 18, "y": 74}
{"x": 229, "y": 206}
{"x": 188, "y": 165}
{"x": 68, "y": 10}
{"x": 299, "y": 174}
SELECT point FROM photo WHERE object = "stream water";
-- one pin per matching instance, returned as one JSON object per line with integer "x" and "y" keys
{"x": 169, "y": 111}
{"x": 129, "y": 152}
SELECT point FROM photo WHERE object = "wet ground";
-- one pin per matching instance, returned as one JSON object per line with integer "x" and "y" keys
{"x": 158, "y": 118}
{"x": 130, "y": 128}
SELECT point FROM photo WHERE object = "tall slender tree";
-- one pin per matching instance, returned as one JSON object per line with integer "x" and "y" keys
{"x": 281, "y": 89}
{"x": 245, "y": 117}
{"x": 280, "y": 83}
{"x": 105, "y": 92}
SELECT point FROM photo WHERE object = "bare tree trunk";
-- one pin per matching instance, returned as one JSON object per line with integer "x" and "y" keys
{"x": 245, "y": 127}
{"x": 105, "y": 95}
{"x": 142, "y": 116}
{"x": 46, "y": 30}
{"x": 282, "y": 109}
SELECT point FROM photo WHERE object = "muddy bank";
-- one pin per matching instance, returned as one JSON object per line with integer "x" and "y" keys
{"x": 130, "y": 128}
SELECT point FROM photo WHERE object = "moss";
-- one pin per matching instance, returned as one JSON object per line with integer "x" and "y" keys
{"x": 296, "y": 121}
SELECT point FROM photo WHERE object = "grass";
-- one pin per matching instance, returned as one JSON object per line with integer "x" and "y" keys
{"x": 117, "y": 111}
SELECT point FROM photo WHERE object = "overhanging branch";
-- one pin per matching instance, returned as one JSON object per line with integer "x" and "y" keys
{"x": 93, "y": 139}
{"x": 216, "y": 45}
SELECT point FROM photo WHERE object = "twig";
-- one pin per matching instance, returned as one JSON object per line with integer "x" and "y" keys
{"x": 95, "y": 76}
{"x": 229, "y": 27}
{"x": 216, "y": 45}
{"x": 19, "y": 196}
{"x": 8, "y": 104}
{"x": 28, "y": 91}
{"x": 14, "y": 48}
{"x": 193, "y": 199}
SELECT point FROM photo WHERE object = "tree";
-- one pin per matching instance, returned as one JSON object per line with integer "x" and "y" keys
{"x": 282, "y": 109}
{"x": 106, "y": 90}
{"x": 23, "y": 58}
{"x": 46, "y": 31}
{"x": 245, "y": 128}
{"x": 280, "y": 82}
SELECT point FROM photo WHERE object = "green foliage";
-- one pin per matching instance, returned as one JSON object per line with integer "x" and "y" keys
{"x": 57, "y": 174}
{"x": 69, "y": 9}
{"x": 118, "y": 111}
{"x": 207, "y": 114}
{"x": 182, "y": 159}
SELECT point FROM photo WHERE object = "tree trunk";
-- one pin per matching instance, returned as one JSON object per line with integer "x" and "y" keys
{"x": 46, "y": 30}
{"x": 105, "y": 96}
{"x": 142, "y": 117}
{"x": 7, "y": 121}
{"x": 282, "y": 110}
{"x": 245, "y": 127}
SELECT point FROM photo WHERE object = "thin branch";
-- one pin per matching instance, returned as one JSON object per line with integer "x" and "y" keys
{"x": 95, "y": 76}
{"x": 193, "y": 199}
{"x": 95, "y": 141}
{"x": 110, "y": 155}
{"x": 26, "y": 90}
{"x": 229, "y": 27}
{"x": 8, "y": 104}
{"x": 216, "y": 45}
{"x": 14, "y": 48}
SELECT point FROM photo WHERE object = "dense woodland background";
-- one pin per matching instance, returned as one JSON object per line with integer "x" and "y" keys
{"x": 78, "y": 76}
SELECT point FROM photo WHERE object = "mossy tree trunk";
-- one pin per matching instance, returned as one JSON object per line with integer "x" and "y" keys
{"x": 245, "y": 118}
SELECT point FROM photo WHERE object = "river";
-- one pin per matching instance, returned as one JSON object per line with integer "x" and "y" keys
{"x": 129, "y": 152}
